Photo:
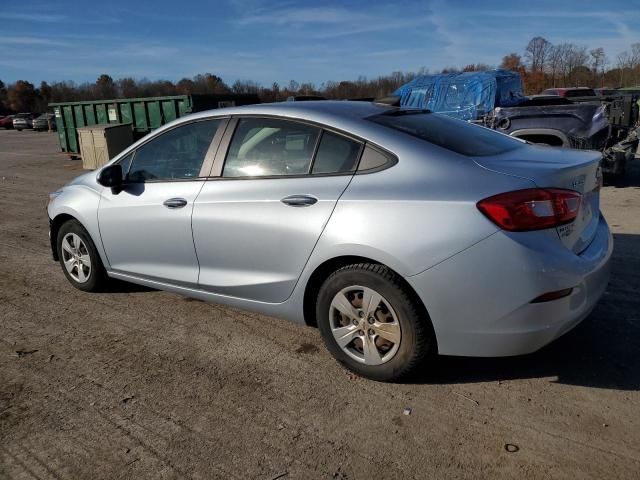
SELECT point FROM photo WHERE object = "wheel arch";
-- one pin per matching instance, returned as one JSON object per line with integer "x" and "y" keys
{"x": 322, "y": 272}
{"x": 54, "y": 228}
{"x": 70, "y": 214}
{"x": 558, "y": 138}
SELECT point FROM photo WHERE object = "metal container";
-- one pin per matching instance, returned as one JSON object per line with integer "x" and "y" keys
{"x": 143, "y": 114}
{"x": 100, "y": 143}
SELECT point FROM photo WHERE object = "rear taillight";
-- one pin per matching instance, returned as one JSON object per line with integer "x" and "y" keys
{"x": 531, "y": 209}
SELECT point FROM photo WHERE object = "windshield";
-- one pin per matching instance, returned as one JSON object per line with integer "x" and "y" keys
{"x": 455, "y": 135}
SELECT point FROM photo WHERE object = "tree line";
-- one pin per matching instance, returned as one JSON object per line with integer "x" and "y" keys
{"x": 545, "y": 65}
{"x": 542, "y": 65}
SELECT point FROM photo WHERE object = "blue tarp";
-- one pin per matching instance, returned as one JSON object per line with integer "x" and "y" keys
{"x": 467, "y": 95}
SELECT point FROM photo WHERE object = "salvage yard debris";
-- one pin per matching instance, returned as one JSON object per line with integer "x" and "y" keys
{"x": 511, "y": 448}
{"x": 495, "y": 99}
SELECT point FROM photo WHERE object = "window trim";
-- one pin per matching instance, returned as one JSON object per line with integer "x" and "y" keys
{"x": 224, "y": 135}
{"x": 223, "y": 150}
{"x": 119, "y": 162}
{"x": 207, "y": 162}
{"x": 222, "y": 159}
{"x": 392, "y": 159}
{"x": 361, "y": 143}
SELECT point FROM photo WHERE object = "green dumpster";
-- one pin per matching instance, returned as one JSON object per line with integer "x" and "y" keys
{"x": 143, "y": 114}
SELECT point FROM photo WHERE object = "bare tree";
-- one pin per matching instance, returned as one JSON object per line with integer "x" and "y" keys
{"x": 634, "y": 62}
{"x": 127, "y": 87}
{"x": 554, "y": 65}
{"x": 293, "y": 86}
{"x": 245, "y": 86}
{"x": 598, "y": 61}
{"x": 537, "y": 53}
{"x": 476, "y": 67}
{"x": 576, "y": 58}
{"x": 623, "y": 61}
{"x": 3, "y": 97}
{"x": 634, "y": 58}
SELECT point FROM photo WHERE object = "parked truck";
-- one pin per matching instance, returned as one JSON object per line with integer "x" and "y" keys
{"x": 495, "y": 99}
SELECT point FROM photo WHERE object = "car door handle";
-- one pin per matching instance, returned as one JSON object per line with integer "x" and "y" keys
{"x": 175, "y": 203}
{"x": 299, "y": 200}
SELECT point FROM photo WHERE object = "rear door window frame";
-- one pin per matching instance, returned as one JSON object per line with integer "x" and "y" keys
{"x": 225, "y": 143}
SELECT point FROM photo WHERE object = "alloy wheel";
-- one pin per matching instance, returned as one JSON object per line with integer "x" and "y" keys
{"x": 76, "y": 258}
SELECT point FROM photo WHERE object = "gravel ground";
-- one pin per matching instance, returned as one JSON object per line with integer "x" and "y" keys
{"x": 138, "y": 383}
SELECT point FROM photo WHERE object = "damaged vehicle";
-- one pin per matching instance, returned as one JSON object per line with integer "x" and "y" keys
{"x": 496, "y": 100}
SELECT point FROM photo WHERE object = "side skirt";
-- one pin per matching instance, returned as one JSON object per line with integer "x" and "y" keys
{"x": 283, "y": 310}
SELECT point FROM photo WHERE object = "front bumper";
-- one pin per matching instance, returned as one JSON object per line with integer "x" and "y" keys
{"x": 480, "y": 300}
{"x": 52, "y": 242}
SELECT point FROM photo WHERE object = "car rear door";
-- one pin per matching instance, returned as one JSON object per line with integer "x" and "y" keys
{"x": 272, "y": 191}
{"x": 146, "y": 227}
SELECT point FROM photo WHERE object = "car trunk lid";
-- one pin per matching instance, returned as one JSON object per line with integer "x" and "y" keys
{"x": 550, "y": 167}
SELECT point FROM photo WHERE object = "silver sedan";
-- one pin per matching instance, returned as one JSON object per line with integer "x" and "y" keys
{"x": 398, "y": 232}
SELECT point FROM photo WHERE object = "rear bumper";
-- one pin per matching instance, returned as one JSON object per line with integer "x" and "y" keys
{"x": 480, "y": 300}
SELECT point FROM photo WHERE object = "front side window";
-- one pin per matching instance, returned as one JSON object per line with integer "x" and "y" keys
{"x": 175, "y": 155}
{"x": 336, "y": 154}
{"x": 267, "y": 147}
{"x": 125, "y": 163}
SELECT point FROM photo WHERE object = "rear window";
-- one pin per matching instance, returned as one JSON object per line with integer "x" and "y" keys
{"x": 580, "y": 93}
{"x": 446, "y": 132}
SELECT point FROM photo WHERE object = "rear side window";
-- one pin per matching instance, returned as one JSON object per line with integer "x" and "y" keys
{"x": 336, "y": 154}
{"x": 270, "y": 147}
{"x": 446, "y": 132}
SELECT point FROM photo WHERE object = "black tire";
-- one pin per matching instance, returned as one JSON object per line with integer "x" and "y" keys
{"x": 417, "y": 336}
{"x": 97, "y": 278}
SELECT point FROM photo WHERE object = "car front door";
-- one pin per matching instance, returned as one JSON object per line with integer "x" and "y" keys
{"x": 146, "y": 227}
{"x": 256, "y": 223}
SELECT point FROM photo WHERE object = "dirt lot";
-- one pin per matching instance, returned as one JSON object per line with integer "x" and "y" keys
{"x": 138, "y": 383}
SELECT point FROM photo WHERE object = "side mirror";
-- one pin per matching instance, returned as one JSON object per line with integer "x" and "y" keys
{"x": 111, "y": 176}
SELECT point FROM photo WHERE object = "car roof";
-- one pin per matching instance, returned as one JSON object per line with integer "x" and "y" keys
{"x": 306, "y": 110}
{"x": 339, "y": 114}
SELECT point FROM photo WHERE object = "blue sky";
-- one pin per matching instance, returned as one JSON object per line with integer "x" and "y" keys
{"x": 283, "y": 40}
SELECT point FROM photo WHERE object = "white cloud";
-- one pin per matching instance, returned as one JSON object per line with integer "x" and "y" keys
{"x": 297, "y": 16}
{"x": 20, "y": 40}
{"x": 33, "y": 17}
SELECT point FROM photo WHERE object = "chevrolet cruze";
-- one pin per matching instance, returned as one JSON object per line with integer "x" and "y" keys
{"x": 398, "y": 232}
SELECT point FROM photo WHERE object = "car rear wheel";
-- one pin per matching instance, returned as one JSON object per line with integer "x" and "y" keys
{"x": 371, "y": 323}
{"x": 79, "y": 258}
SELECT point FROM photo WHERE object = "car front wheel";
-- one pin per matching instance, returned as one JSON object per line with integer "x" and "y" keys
{"x": 372, "y": 324}
{"x": 79, "y": 258}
